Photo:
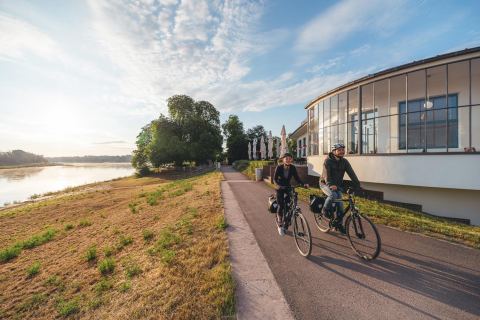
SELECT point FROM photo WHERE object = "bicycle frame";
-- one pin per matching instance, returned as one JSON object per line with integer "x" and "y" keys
{"x": 290, "y": 206}
{"x": 357, "y": 223}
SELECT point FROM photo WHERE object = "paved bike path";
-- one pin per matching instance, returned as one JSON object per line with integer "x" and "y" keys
{"x": 415, "y": 277}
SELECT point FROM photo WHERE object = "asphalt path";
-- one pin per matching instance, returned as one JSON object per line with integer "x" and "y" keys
{"x": 415, "y": 277}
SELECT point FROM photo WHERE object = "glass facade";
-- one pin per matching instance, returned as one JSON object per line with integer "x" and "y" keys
{"x": 434, "y": 109}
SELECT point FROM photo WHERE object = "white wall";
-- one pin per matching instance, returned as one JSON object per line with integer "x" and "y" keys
{"x": 451, "y": 203}
{"x": 436, "y": 171}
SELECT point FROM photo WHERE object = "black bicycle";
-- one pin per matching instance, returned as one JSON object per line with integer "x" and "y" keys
{"x": 361, "y": 232}
{"x": 301, "y": 229}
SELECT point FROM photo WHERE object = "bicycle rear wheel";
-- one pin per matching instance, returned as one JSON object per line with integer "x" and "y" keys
{"x": 363, "y": 236}
{"x": 302, "y": 235}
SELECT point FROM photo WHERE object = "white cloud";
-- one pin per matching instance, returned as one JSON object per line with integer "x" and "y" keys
{"x": 18, "y": 38}
{"x": 346, "y": 18}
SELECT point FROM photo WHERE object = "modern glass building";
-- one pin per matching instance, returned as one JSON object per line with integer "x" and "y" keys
{"x": 412, "y": 132}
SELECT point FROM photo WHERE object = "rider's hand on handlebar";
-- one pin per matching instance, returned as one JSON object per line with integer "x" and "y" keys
{"x": 334, "y": 188}
{"x": 306, "y": 186}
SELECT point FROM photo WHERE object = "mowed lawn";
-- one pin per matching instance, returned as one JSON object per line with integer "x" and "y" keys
{"x": 134, "y": 248}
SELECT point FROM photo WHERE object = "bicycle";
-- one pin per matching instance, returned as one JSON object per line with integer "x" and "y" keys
{"x": 301, "y": 229}
{"x": 366, "y": 245}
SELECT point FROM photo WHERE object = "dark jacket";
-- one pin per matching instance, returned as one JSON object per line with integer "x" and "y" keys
{"x": 334, "y": 170}
{"x": 280, "y": 179}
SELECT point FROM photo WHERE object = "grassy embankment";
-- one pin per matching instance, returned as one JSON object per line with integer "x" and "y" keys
{"x": 393, "y": 216}
{"x": 134, "y": 248}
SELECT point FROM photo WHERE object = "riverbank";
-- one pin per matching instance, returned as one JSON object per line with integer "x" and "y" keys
{"x": 30, "y": 165}
{"x": 136, "y": 248}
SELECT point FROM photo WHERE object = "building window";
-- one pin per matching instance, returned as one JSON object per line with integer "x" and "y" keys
{"x": 427, "y": 123}
{"x": 304, "y": 147}
{"x": 352, "y": 135}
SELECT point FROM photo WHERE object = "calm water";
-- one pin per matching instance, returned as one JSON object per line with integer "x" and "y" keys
{"x": 20, "y": 184}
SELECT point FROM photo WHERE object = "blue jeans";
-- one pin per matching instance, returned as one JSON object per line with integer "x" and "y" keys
{"x": 331, "y": 196}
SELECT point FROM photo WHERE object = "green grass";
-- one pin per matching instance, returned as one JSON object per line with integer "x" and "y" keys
{"x": 10, "y": 253}
{"x": 164, "y": 245}
{"x": 91, "y": 253}
{"x": 148, "y": 235}
{"x": 84, "y": 223}
{"x": 133, "y": 207}
{"x": 67, "y": 308}
{"x": 103, "y": 285}
{"x": 124, "y": 241}
{"x": 33, "y": 270}
{"x": 14, "y": 250}
{"x": 33, "y": 302}
{"x": 221, "y": 223}
{"x": 69, "y": 226}
{"x": 154, "y": 197}
{"x": 125, "y": 286}
{"x": 106, "y": 266}
{"x": 108, "y": 251}
{"x": 132, "y": 269}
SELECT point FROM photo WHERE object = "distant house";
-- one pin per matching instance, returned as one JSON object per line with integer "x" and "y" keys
{"x": 412, "y": 132}
{"x": 300, "y": 136}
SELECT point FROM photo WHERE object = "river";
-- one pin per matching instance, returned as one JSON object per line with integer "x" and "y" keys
{"x": 21, "y": 183}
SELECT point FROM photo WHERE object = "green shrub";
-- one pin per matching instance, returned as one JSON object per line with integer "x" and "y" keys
{"x": 69, "y": 226}
{"x": 124, "y": 241}
{"x": 148, "y": 235}
{"x": 221, "y": 223}
{"x": 132, "y": 269}
{"x": 103, "y": 285}
{"x": 108, "y": 251}
{"x": 133, "y": 207}
{"x": 10, "y": 253}
{"x": 125, "y": 286}
{"x": 33, "y": 270}
{"x": 39, "y": 239}
{"x": 67, "y": 308}
{"x": 84, "y": 223}
{"x": 106, "y": 266}
{"x": 33, "y": 302}
{"x": 91, "y": 253}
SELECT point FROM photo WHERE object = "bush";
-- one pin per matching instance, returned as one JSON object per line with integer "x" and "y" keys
{"x": 148, "y": 235}
{"x": 66, "y": 308}
{"x": 68, "y": 227}
{"x": 106, "y": 266}
{"x": 10, "y": 253}
{"x": 108, "y": 251}
{"x": 33, "y": 270}
{"x": 91, "y": 253}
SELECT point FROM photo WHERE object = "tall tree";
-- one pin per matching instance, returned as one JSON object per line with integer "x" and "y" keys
{"x": 236, "y": 139}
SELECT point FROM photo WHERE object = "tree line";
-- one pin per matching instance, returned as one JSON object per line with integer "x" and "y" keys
{"x": 91, "y": 159}
{"x": 191, "y": 134}
{"x": 18, "y": 157}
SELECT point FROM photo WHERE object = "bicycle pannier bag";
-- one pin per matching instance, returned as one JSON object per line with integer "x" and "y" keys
{"x": 316, "y": 203}
{"x": 272, "y": 204}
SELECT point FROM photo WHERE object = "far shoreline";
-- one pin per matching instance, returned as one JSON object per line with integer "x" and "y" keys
{"x": 29, "y": 165}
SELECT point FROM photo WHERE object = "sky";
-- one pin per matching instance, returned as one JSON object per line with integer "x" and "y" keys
{"x": 83, "y": 77}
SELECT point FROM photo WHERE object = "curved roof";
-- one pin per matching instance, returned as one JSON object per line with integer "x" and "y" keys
{"x": 398, "y": 68}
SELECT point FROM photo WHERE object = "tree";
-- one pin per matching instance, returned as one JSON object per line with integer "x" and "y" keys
{"x": 192, "y": 133}
{"x": 237, "y": 143}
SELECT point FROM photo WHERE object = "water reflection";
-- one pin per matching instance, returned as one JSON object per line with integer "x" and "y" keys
{"x": 19, "y": 184}
{"x": 20, "y": 173}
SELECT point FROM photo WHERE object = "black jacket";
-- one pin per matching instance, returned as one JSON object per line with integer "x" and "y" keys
{"x": 334, "y": 170}
{"x": 280, "y": 179}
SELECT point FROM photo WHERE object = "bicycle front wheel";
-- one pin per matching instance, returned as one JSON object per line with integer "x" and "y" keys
{"x": 322, "y": 222}
{"x": 363, "y": 236}
{"x": 301, "y": 232}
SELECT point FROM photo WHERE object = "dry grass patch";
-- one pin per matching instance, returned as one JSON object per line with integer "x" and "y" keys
{"x": 186, "y": 275}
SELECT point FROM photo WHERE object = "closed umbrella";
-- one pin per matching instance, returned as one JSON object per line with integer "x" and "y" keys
{"x": 283, "y": 147}
{"x": 263, "y": 151}
{"x": 249, "y": 151}
{"x": 270, "y": 145}
{"x": 254, "y": 149}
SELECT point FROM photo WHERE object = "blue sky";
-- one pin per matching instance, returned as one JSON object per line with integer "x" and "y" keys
{"x": 82, "y": 77}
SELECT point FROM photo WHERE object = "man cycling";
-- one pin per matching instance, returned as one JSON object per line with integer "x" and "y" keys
{"x": 331, "y": 182}
{"x": 283, "y": 174}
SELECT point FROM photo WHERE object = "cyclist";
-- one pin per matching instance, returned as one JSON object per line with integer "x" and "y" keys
{"x": 283, "y": 174}
{"x": 331, "y": 182}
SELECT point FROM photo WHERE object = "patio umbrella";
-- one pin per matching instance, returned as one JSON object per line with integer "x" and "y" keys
{"x": 283, "y": 147}
{"x": 277, "y": 148}
{"x": 254, "y": 149}
{"x": 270, "y": 145}
{"x": 249, "y": 150}
{"x": 263, "y": 151}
